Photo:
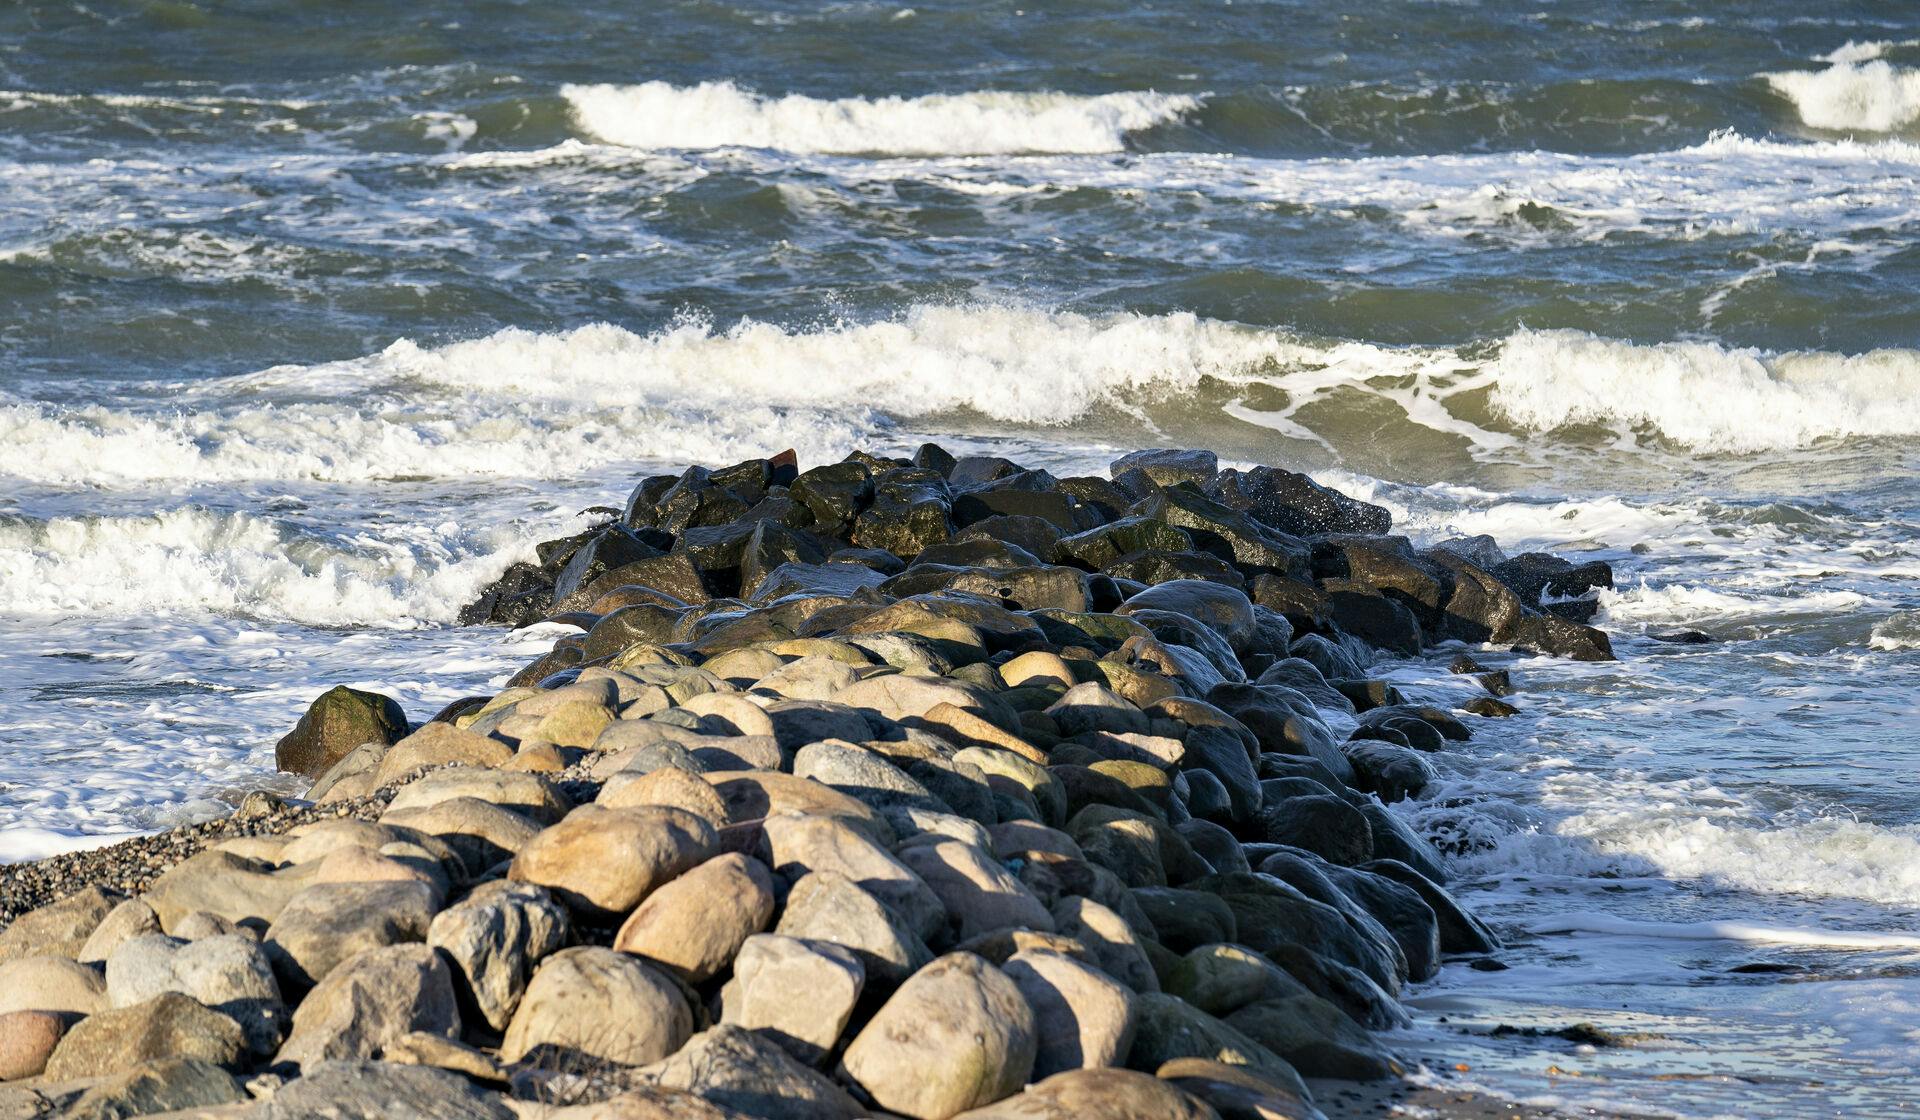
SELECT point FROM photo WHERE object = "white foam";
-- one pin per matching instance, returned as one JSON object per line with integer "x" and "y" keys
{"x": 1587, "y": 922}
{"x": 533, "y": 405}
{"x": 196, "y": 560}
{"x": 656, "y": 115}
{"x": 1853, "y": 96}
{"x": 1896, "y": 632}
{"x": 1705, "y": 396}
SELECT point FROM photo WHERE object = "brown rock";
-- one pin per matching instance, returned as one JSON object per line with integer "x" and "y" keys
{"x": 1097, "y": 1094}
{"x": 1084, "y": 1017}
{"x": 603, "y": 862}
{"x": 596, "y": 1003}
{"x": 695, "y": 924}
{"x": 339, "y": 720}
{"x": 957, "y": 1035}
{"x": 27, "y": 1040}
{"x": 170, "y": 1025}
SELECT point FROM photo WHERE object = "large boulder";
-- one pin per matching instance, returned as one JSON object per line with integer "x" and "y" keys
{"x": 175, "y": 1087}
{"x": 958, "y": 1034}
{"x": 827, "y": 906}
{"x": 977, "y": 892}
{"x": 740, "y": 1070}
{"x": 1084, "y": 1018}
{"x": 595, "y": 1003}
{"x": 371, "y": 1000}
{"x": 801, "y": 994}
{"x": 230, "y": 973}
{"x": 1167, "y": 1028}
{"x": 60, "y": 928}
{"x": 695, "y": 924}
{"x": 339, "y": 720}
{"x": 1098, "y": 1094}
{"x": 48, "y": 983}
{"x": 799, "y": 845}
{"x": 496, "y": 937}
{"x": 603, "y": 862}
{"x": 367, "y": 1090}
{"x": 328, "y": 923}
{"x": 169, "y": 1025}
{"x": 27, "y": 1040}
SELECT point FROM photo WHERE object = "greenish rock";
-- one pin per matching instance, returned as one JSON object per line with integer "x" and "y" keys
{"x": 340, "y": 720}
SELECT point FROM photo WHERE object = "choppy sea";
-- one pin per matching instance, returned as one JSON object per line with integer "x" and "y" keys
{"x": 315, "y": 316}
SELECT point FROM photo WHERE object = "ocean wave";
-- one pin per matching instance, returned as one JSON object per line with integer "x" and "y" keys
{"x": 1853, "y": 96}
{"x": 656, "y": 115}
{"x": 1551, "y": 817}
{"x": 527, "y": 404}
{"x": 196, "y": 560}
{"x": 1705, "y": 396}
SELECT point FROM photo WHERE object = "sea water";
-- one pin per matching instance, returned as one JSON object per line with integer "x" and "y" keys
{"x": 313, "y": 318}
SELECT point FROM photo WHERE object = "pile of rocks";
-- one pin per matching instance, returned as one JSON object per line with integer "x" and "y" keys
{"x": 933, "y": 788}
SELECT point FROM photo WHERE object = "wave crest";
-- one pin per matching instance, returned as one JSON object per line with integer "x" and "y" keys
{"x": 1853, "y": 96}
{"x": 656, "y": 115}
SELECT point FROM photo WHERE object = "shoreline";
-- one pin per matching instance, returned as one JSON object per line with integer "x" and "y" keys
{"x": 1102, "y": 754}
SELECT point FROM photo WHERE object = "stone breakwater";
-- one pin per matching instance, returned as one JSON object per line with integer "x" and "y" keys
{"x": 923, "y": 788}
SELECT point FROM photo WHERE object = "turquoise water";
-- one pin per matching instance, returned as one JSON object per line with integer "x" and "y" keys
{"x": 313, "y": 317}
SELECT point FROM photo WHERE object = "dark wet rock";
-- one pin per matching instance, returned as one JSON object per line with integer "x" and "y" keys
{"x": 1184, "y": 920}
{"x": 339, "y": 720}
{"x": 1393, "y": 772}
{"x": 1102, "y": 546}
{"x": 1222, "y": 755}
{"x": 1387, "y": 566}
{"x": 1036, "y": 535}
{"x": 1460, "y": 932}
{"x": 976, "y": 552}
{"x": 1375, "y": 619}
{"x": 834, "y": 494}
{"x": 1303, "y": 605}
{"x": 1225, "y": 610}
{"x": 1334, "y": 659}
{"x": 1394, "y": 839}
{"x": 1294, "y": 503}
{"x": 1401, "y": 910}
{"x": 1226, "y": 532}
{"x": 1683, "y": 638}
{"x": 1325, "y": 825}
{"x": 832, "y": 578}
{"x": 1060, "y": 510}
{"x": 1158, "y": 566}
{"x": 1538, "y": 576}
{"x": 1168, "y": 466}
{"x": 613, "y": 547}
{"x": 905, "y": 517}
{"x": 1489, "y": 707}
{"x": 1284, "y": 721}
{"x": 1366, "y": 695}
{"x": 1271, "y": 913}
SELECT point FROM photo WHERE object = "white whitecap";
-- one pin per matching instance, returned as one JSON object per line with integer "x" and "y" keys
{"x": 1853, "y": 96}
{"x": 658, "y": 115}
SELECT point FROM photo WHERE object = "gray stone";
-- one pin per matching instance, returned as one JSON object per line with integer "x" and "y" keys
{"x": 957, "y": 1035}
{"x": 496, "y": 937}
{"x": 593, "y": 1003}
{"x": 371, "y": 1000}
{"x": 798, "y": 993}
{"x": 738, "y": 1069}
{"x": 364, "y": 1090}
{"x": 328, "y": 923}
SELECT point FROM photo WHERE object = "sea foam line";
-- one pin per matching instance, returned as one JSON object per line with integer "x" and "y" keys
{"x": 657, "y": 115}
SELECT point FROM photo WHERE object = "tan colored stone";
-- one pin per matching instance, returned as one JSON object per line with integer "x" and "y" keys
{"x": 670, "y": 787}
{"x": 753, "y": 794}
{"x": 695, "y": 924}
{"x": 51, "y": 984}
{"x": 170, "y": 1025}
{"x": 957, "y": 1035}
{"x": 799, "y": 993}
{"x": 603, "y": 862}
{"x": 439, "y": 744}
{"x": 27, "y": 1040}
{"x": 530, "y": 795}
{"x": 1084, "y": 1016}
{"x": 601, "y": 1004}
{"x": 60, "y": 928}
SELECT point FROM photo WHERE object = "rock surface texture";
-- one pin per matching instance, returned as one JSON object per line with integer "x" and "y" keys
{"x": 930, "y": 787}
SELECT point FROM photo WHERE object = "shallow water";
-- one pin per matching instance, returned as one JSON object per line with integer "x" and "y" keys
{"x": 316, "y": 317}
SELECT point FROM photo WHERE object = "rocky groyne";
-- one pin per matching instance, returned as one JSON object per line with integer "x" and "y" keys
{"x": 925, "y": 788}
